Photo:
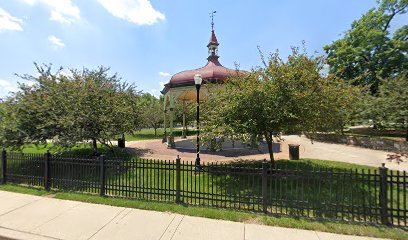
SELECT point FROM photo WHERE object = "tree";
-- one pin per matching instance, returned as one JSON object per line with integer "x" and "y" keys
{"x": 86, "y": 105}
{"x": 8, "y": 125}
{"x": 281, "y": 96}
{"x": 152, "y": 113}
{"x": 390, "y": 107}
{"x": 368, "y": 52}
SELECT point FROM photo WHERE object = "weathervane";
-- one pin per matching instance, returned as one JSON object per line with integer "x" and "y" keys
{"x": 212, "y": 20}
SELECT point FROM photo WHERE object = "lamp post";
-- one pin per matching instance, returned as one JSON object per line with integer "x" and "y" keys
{"x": 198, "y": 80}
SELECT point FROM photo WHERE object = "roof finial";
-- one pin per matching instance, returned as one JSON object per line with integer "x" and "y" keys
{"x": 212, "y": 20}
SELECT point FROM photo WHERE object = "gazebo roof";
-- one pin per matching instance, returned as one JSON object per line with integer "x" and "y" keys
{"x": 213, "y": 39}
{"x": 212, "y": 71}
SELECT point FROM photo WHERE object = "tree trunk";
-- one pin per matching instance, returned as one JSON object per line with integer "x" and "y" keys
{"x": 155, "y": 132}
{"x": 94, "y": 144}
{"x": 269, "y": 140}
{"x": 406, "y": 133}
{"x": 376, "y": 126}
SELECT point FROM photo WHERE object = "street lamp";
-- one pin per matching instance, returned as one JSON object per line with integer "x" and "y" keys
{"x": 198, "y": 79}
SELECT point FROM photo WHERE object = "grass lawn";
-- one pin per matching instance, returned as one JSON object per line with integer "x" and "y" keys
{"x": 236, "y": 216}
{"x": 222, "y": 187}
{"x": 79, "y": 150}
{"x": 148, "y": 134}
{"x": 144, "y": 134}
{"x": 317, "y": 163}
{"x": 42, "y": 148}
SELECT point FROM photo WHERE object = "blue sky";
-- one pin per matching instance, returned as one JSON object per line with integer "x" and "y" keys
{"x": 146, "y": 42}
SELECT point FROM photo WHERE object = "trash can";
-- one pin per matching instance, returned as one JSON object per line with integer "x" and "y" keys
{"x": 121, "y": 143}
{"x": 294, "y": 151}
{"x": 170, "y": 142}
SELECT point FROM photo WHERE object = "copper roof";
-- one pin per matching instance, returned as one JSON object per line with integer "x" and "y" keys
{"x": 212, "y": 71}
{"x": 213, "y": 39}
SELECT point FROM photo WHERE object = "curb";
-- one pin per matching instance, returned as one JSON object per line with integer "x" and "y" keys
{"x": 10, "y": 234}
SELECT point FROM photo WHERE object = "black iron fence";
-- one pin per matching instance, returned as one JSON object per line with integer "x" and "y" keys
{"x": 377, "y": 196}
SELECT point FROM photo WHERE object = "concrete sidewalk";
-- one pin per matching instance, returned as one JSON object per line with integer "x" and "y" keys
{"x": 39, "y": 218}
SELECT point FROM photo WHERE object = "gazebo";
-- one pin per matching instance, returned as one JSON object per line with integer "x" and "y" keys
{"x": 181, "y": 86}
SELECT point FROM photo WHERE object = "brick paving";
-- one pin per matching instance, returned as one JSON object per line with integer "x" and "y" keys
{"x": 155, "y": 149}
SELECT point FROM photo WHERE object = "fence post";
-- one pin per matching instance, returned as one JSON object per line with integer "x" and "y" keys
{"x": 178, "y": 179}
{"x": 383, "y": 195}
{"x": 4, "y": 166}
{"x": 47, "y": 158}
{"x": 265, "y": 186}
{"x": 103, "y": 175}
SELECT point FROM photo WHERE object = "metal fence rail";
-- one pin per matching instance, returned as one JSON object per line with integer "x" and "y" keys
{"x": 375, "y": 196}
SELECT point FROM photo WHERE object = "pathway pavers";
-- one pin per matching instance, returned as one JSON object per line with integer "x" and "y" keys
{"x": 68, "y": 220}
{"x": 155, "y": 149}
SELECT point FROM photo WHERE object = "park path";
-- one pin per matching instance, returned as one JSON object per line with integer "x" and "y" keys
{"x": 155, "y": 149}
{"x": 185, "y": 148}
{"x": 344, "y": 153}
{"x": 27, "y": 217}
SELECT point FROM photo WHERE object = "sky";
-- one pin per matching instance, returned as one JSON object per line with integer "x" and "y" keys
{"x": 146, "y": 42}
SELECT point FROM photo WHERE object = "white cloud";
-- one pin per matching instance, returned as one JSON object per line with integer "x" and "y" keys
{"x": 140, "y": 12}
{"x": 325, "y": 70}
{"x": 162, "y": 84}
{"x": 8, "y": 22}
{"x": 30, "y": 83}
{"x": 63, "y": 11}
{"x": 65, "y": 73}
{"x": 6, "y": 87}
{"x": 164, "y": 74}
{"x": 56, "y": 41}
{"x": 155, "y": 93}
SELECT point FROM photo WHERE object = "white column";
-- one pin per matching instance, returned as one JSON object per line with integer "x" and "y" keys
{"x": 171, "y": 113}
{"x": 170, "y": 141}
{"x": 184, "y": 135}
{"x": 164, "y": 118}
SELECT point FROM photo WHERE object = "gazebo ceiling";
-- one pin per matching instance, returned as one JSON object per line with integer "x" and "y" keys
{"x": 190, "y": 95}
